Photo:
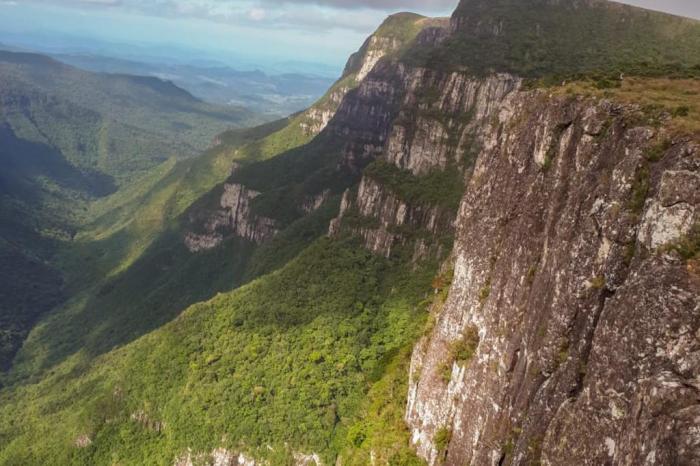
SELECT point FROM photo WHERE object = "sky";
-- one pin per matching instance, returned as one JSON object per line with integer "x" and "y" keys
{"x": 250, "y": 33}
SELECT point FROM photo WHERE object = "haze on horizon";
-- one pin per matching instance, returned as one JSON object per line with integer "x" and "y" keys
{"x": 248, "y": 34}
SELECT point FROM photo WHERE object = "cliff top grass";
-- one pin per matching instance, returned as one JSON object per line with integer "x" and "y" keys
{"x": 401, "y": 27}
{"x": 678, "y": 99}
{"x": 564, "y": 38}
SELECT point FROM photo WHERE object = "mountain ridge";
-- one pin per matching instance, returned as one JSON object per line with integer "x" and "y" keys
{"x": 565, "y": 39}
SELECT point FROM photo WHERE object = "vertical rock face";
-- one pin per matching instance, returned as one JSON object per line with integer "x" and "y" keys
{"x": 588, "y": 332}
{"x": 421, "y": 122}
{"x": 234, "y": 218}
{"x": 218, "y": 457}
{"x": 386, "y": 215}
{"x": 389, "y": 39}
{"x": 317, "y": 117}
{"x": 376, "y": 49}
{"x": 224, "y": 457}
{"x": 357, "y": 111}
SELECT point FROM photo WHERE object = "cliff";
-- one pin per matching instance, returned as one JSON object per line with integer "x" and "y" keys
{"x": 569, "y": 333}
{"x": 234, "y": 213}
{"x": 586, "y": 319}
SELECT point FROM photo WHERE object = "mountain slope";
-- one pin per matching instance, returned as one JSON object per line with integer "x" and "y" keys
{"x": 94, "y": 322}
{"x": 69, "y": 137}
{"x": 117, "y": 124}
{"x": 275, "y": 95}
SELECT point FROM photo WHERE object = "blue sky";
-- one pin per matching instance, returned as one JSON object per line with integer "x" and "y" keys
{"x": 261, "y": 31}
{"x": 247, "y": 31}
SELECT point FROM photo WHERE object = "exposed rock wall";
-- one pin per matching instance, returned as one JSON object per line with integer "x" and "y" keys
{"x": 218, "y": 457}
{"x": 224, "y": 457}
{"x": 390, "y": 216}
{"x": 316, "y": 118}
{"x": 585, "y": 327}
{"x": 234, "y": 218}
{"x": 588, "y": 332}
{"x": 376, "y": 49}
{"x": 361, "y": 64}
{"x": 420, "y": 121}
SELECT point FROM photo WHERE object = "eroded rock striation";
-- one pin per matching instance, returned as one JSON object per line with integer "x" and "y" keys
{"x": 425, "y": 123}
{"x": 235, "y": 217}
{"x": 588, "y": 348}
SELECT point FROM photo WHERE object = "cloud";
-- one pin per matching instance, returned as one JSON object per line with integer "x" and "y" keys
{"x": 257, "y": 14}
{"x": 361, "y": 16}
{"x": 383, "y": 5}
{"x": 101, "y": 2}
{"x": 256, "y": 10}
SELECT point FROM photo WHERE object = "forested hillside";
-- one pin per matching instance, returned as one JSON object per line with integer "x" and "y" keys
{"x": 71, "y": 137}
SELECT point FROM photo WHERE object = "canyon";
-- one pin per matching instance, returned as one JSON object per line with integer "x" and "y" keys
{"x": 454, "y": 257}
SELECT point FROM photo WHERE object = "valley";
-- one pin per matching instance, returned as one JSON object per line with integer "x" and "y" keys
{"x": 480, "y": 246}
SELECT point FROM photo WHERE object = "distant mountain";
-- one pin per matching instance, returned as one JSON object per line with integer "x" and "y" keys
{"x": 126, "y": 123}
{"x": 275, "y": 95}
{"x": 67, "y": 137}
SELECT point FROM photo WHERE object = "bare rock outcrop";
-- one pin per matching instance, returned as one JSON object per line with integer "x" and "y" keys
{"x": 588, "y": 346}
{"x": 235, "y": 217}
{"x": 421, "y": 122}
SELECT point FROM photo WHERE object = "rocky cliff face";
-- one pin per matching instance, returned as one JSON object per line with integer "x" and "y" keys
{"x": 233, "y": 218}
{"x": 357, "y": 110}
{"x": 223, "y": 457}
{"x": 425, "y": 124}
{"x": 570, "y": 334}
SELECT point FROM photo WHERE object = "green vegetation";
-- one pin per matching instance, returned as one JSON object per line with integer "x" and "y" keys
{"x": 442, "y": 441}
{"x": 640, "y": 190}
{"x": 120, "y": 126}
{"x": 116, "y": 364}
{"x": 71, "y": 137}
{"x": 442, "y": 283}
{"x": 656, "y": 153}
{"x": 630, "y": 252}
{"x": 563, "y": 352}
{"x": 465, "y": 348}
{"x": 442, "y": 188}
{"x": 402, "y": 28}
{"x": 379, "y": 430}
{"x": 658, "y": 99}
{"x": 598, "y": 282}
{"x": 30, "y": 288}
{"x": 460, "y": 352}
{"x": 560, "y": 40}
{"x": 485, "y": 291}
{"x": 688, "y": 246}
{"x": 531, "y": 274}
{"x": 300, "y": 355}
{"x": 298, "y": 345}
